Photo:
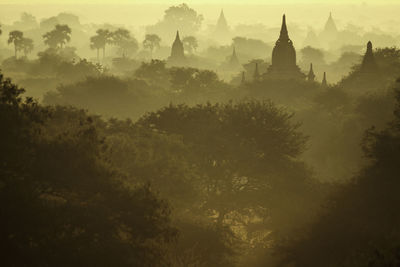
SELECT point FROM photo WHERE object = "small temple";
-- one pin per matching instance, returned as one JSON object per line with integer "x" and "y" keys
{"x": 284, "y": 57}
{"x": 324, "y": 81}
{"x": 222, "y": 31}
{"x": 311, "y": 74}
{"x": 330, "y": 25}
{"x": 330, "y": 33}
{"x": 177, "y": 52}
{"x": 368, "y": 64}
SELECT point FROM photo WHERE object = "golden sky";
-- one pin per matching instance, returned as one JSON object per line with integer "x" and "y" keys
{"x": 196, "y": 1}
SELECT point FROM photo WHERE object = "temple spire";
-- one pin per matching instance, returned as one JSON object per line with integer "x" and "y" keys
{"x": 311, "y": 75}
{"x": 284, "y": 35}
{"x": 368, "y": 64}
{"x": 324, "y": 81}
{"x": 177, "y": 38}
{"x": 234, "y": 61}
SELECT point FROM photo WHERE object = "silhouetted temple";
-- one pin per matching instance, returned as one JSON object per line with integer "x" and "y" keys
{"x": 324, "y": 81}
{"x": 311, "y": 74}
{"x": 234, "y": 63}
{"x": 368, "y": 64}
{"x": 222, "y": 31}
{"x": 177, "y": 52}
{"x": 330, "y": 25}
{"x": 284, "y": 57}
{"x": 330, "y": 33}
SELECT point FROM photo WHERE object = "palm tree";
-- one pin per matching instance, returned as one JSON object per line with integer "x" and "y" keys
{"x": 120, "y": 38}
{"x": 95, "y": 43}
{"x": 16, "y": 37}
{"x": 100, "y": 40}
{"x": 27, "y": 45}
{"x": 151, "y": 41}
{"x": 58, "y": 37}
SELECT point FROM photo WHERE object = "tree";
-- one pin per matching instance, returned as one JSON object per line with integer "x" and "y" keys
{"x": 96, "y": 44}
{"x": 16, "y": 37}
{"x": 245, "y": 155}
{"x": 151, "y": 41}
{"x": 182, "y": 16}
{"x": 312, "y": 55}
{"x": 70, "y": 207}
{"x": 153, "y": 72}
{"x": 125, "y": 42}
{"x": 58, "y": 37}
{"x": 190, "y": 43}
{"x": 100, "y": 40}
{"x": 359, "y": 225}
{"x": 27, "y": 45}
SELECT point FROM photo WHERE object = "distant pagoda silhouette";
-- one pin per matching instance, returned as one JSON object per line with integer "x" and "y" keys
{"x": 368, "y": 64}
{"x": 222, "y": 32}
{"x": 330, "y": 25}
{"x": 284, "y": 57}
{"x": 311, "y": 74}
{"x": 232, "y": 63}
{"x": 324, "y": 81}
{"x": 330, "y": 33}
{"x": 177, "y": 52}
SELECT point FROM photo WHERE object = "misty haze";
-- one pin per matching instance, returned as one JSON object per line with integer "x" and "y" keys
{"x": 199, "y": 134}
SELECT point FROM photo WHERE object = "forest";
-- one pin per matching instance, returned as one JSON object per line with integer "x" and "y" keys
{"x": 186, "y": 144}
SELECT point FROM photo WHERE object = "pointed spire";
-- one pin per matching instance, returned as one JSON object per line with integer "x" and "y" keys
{"x": 177, "y": 50}
{"x": 324, "y": 81}
{"x": 311, "y": 75}
{"x": 330, "y": 26}
{"x": 177, "y": 38}
{"x": 369, "y": 64}
{"x": 234, "y": 61}
{"x": 284, "y": 35}
{"x": 256, "y": 75}
{"x": 369, "y": 47}
{"x": 222, "y": 23}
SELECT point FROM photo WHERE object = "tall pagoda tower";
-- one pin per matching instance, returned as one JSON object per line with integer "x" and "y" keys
{"x": 311, "y": 74}
{"x": 330, "y": 25}
{"x": 284, "y": 57}
{"x": 177, "y": 52}
{"x": 222, "y": 32}
{"x": 368, "y": 64}
{"x": 330, "y": 32}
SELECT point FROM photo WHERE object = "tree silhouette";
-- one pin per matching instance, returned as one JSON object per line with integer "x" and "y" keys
{"x": 100, "y": 40}
{"x": 190, "y": 43}
{"x": 58, "y": 37}
{"x": 67, "y": 216}
{"x": 96, "y": 44}
{"x": 151, "y": 41}
{"x": 182, "y": 16}
{"x": 125, "y": 42}
{"x": 16, "y": 38}
{"x": 27, "y": 45}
